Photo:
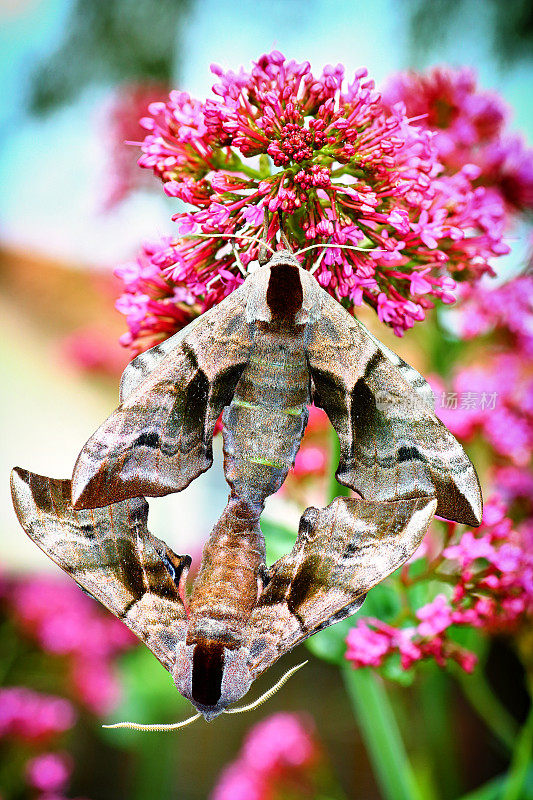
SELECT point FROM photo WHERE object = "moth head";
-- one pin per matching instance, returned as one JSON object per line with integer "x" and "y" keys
{"x": 281, "y": 290}
{"x": 211, "y": 676}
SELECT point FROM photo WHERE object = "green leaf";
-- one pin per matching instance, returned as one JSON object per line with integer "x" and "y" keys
{"x": 330, "y": 644}
{"x": 383, "y": 602}
{"x": 279, "y": 539}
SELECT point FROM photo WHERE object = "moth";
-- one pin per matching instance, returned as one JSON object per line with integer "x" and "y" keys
{"x": 276, "y": 344}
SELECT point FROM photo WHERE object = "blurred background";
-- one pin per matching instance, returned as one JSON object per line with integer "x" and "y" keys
{"x": 75, "y": 78}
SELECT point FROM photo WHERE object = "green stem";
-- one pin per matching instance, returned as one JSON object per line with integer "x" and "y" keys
{"x": 483, "y": 700}
{"x": 520, "y": 761}
{"x": 381, "y": 735}
{"x": 236, "y": 165}
{"x": 437, "y": 736}
{"x": 492, "y": 790}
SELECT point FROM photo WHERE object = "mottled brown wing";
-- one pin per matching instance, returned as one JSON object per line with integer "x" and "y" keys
{"x": 142, "y": 365}
{"x": 160, "y": 438}
{"x": 340, "y": 553}
{"x": 392, "y": 444}
{"x": 110, "y": 553}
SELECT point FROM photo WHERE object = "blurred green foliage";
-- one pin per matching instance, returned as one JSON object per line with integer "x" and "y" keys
{"x": 432, "y": 22}
{"x": 111, "y": 42}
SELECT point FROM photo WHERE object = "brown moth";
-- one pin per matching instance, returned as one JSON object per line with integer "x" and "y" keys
{"x": 261, "y": 356}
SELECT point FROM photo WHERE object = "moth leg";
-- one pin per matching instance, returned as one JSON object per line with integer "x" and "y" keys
{"x": 283, "y": 236}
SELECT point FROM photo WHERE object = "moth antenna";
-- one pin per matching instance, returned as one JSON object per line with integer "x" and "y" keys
{"x": 342, "y": 247}
{"x": 267, "y": 695}
{"x": 318, "y": 263}
{"x": 230, "y": 236}
{"x": 137, "y": 726}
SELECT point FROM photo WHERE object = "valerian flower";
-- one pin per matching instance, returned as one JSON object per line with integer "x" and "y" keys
{"x": 469, "y": 128}
{"x": 340, "y": 166}
{"x": 68, "y": 624}
{"x": 154, "y": 305}
{"x": 33, "y": 716}
{"x": 127, "y": 106}
{"x": 276, "y": 758}
{"x": 489, "y": 582}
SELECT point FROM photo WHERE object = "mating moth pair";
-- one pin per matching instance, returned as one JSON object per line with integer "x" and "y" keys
{"x": 276, "y": 344}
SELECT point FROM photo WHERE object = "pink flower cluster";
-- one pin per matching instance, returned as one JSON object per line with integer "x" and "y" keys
{"x": 505, "y": 377}
{"x": 496, "y": 402}
{"x": 67, "y": 623}
{"x": 32, "y": 716}
{"x": 506, "y": 310}
{"x": 275, "y": 761}
{"x": 469, "y": 129}
{"x": 34, "y": 720}
{"x": 128, "y": 104}
{"x": 154, "y": 305}
{"x": 491, "y": 571}
{"x": 342, "y": 167}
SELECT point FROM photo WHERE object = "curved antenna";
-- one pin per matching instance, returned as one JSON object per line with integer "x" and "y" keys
{"x": 229, "y": 236}
{"x": 267, "y": 695}
{"x": 137, "y": 726}
{"x": 342, "y": 247}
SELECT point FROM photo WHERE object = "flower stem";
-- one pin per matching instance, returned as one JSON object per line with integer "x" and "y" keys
{"x": 381, "y": 735}
{"x": 520, "y": 761}
{"x": 483, "y": 700}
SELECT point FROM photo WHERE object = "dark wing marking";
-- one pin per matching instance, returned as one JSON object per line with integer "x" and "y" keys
{"x": 140, "y": 367}
{"x": 408, "y": 373}
{"x": 111, "y": 554}
{"x": 160, "y": 438}
{"x": 392, "y": 444}
{"x": 340, "y": 553}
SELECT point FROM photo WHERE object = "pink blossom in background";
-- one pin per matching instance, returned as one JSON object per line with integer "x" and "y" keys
{"x": 469, "y": 130}
{"x": 90, "y": 350}
{"x": 279, "y": 751}
{"x": 491, "y": 572}
{"x": 366, "y": 647}
{"x": 506, "y": 310}
{"x": 30, "y": 715}
{"x": 122, "y": 124}
{"x": 281, "y": 740}
{"x": 416, "y": 227}
{"x": 49, "y": 772}
{"x": 312, "y": 457}
{"x": 493, "y": 399}
{"x": 68, "y": 623}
